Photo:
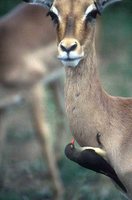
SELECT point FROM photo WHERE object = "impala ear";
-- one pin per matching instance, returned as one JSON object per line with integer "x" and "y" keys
{"x": 102, "y": 4}
{"x": 44, "y": 3}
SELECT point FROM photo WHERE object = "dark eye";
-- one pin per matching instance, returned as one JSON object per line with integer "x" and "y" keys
{"x": 53, "y": 16}
{"x": 92, "y": 15}
{"x": 71, "y": 146}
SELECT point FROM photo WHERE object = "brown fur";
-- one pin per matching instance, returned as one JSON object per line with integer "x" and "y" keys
{"x": 89, "y": 108}
{"x": 29, "y": 45}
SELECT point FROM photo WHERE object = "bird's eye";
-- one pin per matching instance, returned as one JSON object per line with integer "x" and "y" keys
{"x": 92, "y": 15}
{"x": 53, "y": 16}
{"x": 71, "y": 146}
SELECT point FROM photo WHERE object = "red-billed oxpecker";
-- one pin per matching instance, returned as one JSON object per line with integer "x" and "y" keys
{"x": 92, "y": 159}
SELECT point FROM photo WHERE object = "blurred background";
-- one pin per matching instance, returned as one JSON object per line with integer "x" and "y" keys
{"x": 26, "y": 173}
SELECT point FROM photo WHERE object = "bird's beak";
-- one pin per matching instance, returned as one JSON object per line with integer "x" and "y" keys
{"x": 73, "y": 141}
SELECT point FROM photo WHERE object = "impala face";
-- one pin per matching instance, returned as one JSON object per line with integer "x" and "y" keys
{"x": 75, "y": 24}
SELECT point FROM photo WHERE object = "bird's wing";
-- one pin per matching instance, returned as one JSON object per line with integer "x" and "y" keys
{"x": 99, "y": 151}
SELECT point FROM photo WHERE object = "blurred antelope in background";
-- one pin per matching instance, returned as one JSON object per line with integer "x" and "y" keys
{"x": 89, "y": 108}
{"x": 26, "y": 43}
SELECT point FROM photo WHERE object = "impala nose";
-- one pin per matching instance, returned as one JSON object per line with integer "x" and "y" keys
{"x": 67, "y": 48}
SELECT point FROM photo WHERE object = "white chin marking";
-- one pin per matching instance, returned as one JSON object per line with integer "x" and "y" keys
{"x": 73, "y": 63}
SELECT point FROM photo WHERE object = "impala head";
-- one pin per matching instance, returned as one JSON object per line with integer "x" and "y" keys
{"x": 75, "y": 21}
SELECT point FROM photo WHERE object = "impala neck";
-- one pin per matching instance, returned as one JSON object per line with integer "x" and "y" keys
{"x": 85, "y": 75}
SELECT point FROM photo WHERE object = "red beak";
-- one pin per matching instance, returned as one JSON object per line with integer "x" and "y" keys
{"x": 73, "y": 141}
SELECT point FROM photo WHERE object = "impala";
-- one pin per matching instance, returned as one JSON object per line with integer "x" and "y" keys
{"x": 24, "y": 48}
{"x": 89, "y": 108}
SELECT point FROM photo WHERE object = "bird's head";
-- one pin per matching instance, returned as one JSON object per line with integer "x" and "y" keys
{"x": 72, "y": 143}
{"x": 69, "y": 149}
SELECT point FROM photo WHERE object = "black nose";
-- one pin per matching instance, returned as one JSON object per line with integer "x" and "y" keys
{"x": 68, "y": 48}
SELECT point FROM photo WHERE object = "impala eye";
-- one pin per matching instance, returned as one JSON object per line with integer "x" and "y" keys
{"x": 92, "y": 15}
{"x": 53, "y": 16}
